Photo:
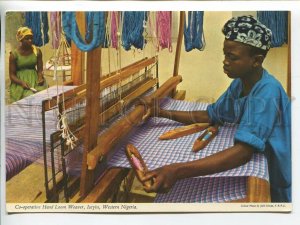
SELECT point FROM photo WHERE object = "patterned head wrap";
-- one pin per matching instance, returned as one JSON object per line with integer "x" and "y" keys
{"x": 22, "y": 32}
{"x": 247, "y": 30}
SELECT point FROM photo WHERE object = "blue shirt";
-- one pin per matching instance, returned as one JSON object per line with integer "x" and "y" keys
{"x": 264, "y": 122}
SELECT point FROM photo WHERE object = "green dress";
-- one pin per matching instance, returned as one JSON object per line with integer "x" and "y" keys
{"x": 26, "y": 71}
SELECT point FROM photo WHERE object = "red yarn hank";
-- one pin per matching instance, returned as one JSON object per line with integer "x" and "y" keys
{"x": 164, "y": 29}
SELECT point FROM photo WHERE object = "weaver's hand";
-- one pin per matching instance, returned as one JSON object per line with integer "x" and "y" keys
{"x": 163, "y": 179}
{"x": 25, "y": 85}
{"x": 40, "y": 80}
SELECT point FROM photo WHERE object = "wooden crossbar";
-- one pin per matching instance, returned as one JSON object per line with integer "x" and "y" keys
{"x": 79, "y": 92}
{"x": 106, "y": 114}
{"x": 107, "y": 140}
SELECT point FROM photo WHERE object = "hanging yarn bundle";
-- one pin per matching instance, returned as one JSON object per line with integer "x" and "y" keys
{"x": 89, "y": 26}
{"x": 164, "y": 29}
{"x": 152, "y": 29}
{"x": 96, "y": 28}
{"x": 277, "y": 21}
{"x": 114, "y": 35}
{"x": 134, "y": 24}
{"x": 193, "y": 31}
{"x": 55, "y": 27}
{"x": 90, "y": 22}
{"x": 38, "y": 22}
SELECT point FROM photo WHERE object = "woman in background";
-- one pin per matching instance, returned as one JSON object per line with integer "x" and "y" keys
{"x": 25, "y": 67}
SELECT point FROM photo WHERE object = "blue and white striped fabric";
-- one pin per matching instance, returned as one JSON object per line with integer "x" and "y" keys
{"x": 23, "y": 129}
{"x": 204, "y": 190}
{"x": 157, "y": 153}
{"x": 224, "y": 186}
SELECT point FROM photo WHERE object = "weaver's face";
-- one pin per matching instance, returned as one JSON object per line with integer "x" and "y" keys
{"x": 238, "y": 62}
{"x": 27, "y": 40}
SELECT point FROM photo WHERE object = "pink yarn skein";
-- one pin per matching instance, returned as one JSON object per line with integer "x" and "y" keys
{"x": 55, "y": 25}
{"x": 164, "y": 29}
{"x": 114, "y": 30}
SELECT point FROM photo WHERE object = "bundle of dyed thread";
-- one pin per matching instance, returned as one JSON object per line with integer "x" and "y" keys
{"x": 133, "y": 29}
{"x": 193, "y": 31}
{"x": 38, "y": 22}
{"x": 277, "y": 21}
{"x": 164, "y": 29}
{"x": 95, "y": 25}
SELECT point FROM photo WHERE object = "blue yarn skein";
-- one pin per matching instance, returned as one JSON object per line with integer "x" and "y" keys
{"x": 97, "y": 26}
{"x": 133, "y": 29}
{"x": 193, "y": 31}
{"x": 277, "y": 21}
{"x": 34, "y": 21}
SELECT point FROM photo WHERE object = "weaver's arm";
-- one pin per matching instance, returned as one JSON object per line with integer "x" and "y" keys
{"x": 187, "y": 117}
{"x": 164, "y": 177}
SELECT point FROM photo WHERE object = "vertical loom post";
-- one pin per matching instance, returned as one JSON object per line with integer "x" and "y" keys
{"x": 54, "y": 183}
{"x": 62, "y": 157}
{"x": 45, "y": 149}
{"x": 77, "y": 56}
{"x": 92, "y": 112}
{"x": 178, "y": 47}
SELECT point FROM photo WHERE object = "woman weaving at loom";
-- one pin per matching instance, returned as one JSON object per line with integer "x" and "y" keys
{"x": 255, "y": 101}
{"x": 25, "y": 67}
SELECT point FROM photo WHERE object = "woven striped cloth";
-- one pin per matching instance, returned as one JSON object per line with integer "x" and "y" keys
{"x": 204, "y": 190}
{"x": 14, "y": 164}
{"x": 23, "y": 129}
{"x": 157, "y": 153}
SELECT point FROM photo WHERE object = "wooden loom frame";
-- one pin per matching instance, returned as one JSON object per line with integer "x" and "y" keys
{"x": 92, "y": 152}
{"x": 77, "y": 95}
{"x": 258, "y": 190}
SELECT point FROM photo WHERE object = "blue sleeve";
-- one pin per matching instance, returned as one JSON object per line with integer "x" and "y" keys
{"x": 223, "y": 109}
{"x": 262, "y": 112}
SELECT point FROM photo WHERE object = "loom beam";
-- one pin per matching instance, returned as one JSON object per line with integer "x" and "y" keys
{"x": 78, "y": 95}
{"x": 107, "y": 140}
{"x": 79, "y": 92}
